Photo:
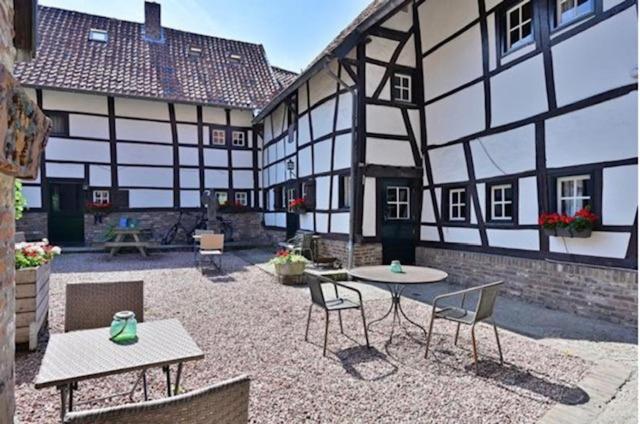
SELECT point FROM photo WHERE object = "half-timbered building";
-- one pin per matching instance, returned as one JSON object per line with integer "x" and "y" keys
{"x": 429, "y": 131}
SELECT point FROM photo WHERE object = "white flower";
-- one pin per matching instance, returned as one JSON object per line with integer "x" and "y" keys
{"x": 56, "y": 250}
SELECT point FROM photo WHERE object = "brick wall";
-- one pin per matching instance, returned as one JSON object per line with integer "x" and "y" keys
{"x": 363, "y": 254}
{"x": 606, "y": 293}
{"x": 7, "y": 228}
{"x": 34, "y": 225}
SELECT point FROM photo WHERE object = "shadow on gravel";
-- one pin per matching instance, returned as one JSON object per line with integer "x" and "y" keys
{"x": 367, "y": 364}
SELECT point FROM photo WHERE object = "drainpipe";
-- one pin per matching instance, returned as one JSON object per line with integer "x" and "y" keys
{"x": 354, "y": 160}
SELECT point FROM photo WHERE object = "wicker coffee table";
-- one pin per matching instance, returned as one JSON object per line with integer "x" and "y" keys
{"x": 81, "y": 355}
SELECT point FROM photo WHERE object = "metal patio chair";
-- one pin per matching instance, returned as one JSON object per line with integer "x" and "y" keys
{"x": 301, "y": 243}
{"x": 222, "y": 403}
{"x": 330, "y": 305}
{"x": 211, "y": 246}
{"x": 92, "y": 305}
{"x": 487, "y": 295}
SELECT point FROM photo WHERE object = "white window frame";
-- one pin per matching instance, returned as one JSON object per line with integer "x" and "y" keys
{"x": 218, "y": 131}
{"x": 222, "y": 194}
{"x": 457, "y": 206}
{"x": 588, "y": 7}
{"x": 101, "y": 197}
{"x": 290, "y": 194}
{"x": 242, "y": 197}
{"x": 238, "y": 138}
{"x": 397, "y": 203}
{"x": 346, "y": 191}
{"x": 501, "y": 203}
{"x": 508, "y": 29}
{"x": 574, "y": 197}
{"x": 99, "y": 35}
{"x": 404, "y": 87}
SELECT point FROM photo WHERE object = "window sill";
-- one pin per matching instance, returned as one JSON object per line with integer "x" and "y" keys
{"x": 513, "y": 50}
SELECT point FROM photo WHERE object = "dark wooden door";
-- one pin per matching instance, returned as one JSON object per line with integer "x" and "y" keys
{"x": 293, "y": 219}
{"x": 66, "y": 213}
{"x": 398, "y": 221}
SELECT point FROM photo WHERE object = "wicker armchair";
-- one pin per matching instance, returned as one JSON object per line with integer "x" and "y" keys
{"x": 223, "y": 403}
{"x": 92, "y": 305}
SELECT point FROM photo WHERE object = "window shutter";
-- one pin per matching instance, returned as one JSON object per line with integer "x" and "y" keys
{"x": 311, "y": 194}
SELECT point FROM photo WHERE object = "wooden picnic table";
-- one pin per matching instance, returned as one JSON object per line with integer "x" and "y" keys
{"x": 120, "y": 241}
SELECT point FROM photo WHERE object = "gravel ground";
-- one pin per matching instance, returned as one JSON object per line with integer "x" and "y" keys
{"x": 248, "y": 324}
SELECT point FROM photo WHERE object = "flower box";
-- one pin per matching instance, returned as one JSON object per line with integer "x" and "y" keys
{"x": 32, "y": 303}
{"x": 567, "y": 232}
{"x": 562, "y": 225}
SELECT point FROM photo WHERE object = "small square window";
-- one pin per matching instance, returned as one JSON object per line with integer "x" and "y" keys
{"x": 570, "y": 10}
{"x": 518, "y": 25}
{"x": 222, "y": 197}
{"x": 98, "y": 35}
{"x": 59, "y": 123}
{"x": 457, "y": 204}
{"x": 195, "y": 51}
{"x": 238, "y": 138}
{"x": 218, "y": 137}
{"x": 101, "y": 197}
{"x": 573, "y": 194}
{"x": 401, "y": 89}
{"x": 501, "y": 202}
{"x": 242, "y": 198}
{"x": 398, "y": 204}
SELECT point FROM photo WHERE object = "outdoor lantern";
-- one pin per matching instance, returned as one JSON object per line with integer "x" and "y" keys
{"x": 24, "y": 129}
{"x": 291, "y": 168}
{"x": 123, "y": 327}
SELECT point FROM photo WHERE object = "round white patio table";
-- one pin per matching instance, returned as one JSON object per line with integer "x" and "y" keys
{"x": 396, "y": 283}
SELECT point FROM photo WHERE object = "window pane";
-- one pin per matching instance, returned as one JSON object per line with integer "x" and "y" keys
{"x": 514, "y": 18}
{"x": 391, "y": 195}
{"x": 526, "y": 30}
{"x": 515, "y": 37}
{"x": 526, "y": 12}
{"x": 497, "y": 211}
{"x": 497, "y": 195}
{"x": 583, "y": 188}
{"x": 508, "y": 210}
{"x": 566, "y": 188}
{"x": 508, "y": 193}
{"x": 566, "y": 206}
{"x": 463, "y": 211}
{"x": 403, "y": 195}
{"x": 391, "y": 211}
{"x": 403, "y": 211}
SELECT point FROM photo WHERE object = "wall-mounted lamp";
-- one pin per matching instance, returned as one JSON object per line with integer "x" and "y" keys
{"x": 291, "y": 168}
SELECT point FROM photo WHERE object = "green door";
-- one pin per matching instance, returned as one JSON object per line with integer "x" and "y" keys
{"x": 398, "y": 221}
{"x": 66, "y": 213}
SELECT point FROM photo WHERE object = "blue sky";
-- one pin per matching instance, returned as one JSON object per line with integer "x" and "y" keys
{"x": 292, "y": 31}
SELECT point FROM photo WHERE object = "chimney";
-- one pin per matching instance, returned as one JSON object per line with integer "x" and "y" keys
{"x": 152, "y": 27}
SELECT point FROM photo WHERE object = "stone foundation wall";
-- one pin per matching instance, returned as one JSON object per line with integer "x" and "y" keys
{"x": 606, "y": 293}
{"x": 34, "y": 225}
{"x": 363, "y": 253}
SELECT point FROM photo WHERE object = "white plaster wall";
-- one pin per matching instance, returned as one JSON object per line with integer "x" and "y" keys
{"x": 281, "y": 219}
{"x": 322, "y": 222}
{"x": 598, "y": 59}
{"x": 490, "y": 4}
{"x": 438, "y": 192}
{"x": 241, "y": 118}
{"x": 189, "y": 198}
{"x": 100, "y": 175}
{"x": 74, "y": 102}
{"x": 369, "y": 208}
{"x": 481, "y": 189}
{"x": 129, "y": 129}
{"x": 187, "y": 133}
{"x": 428, "y": 214}
{"x": 340, "y": 223}
{"x": 407, "y": 56}
{"x": 241, "y": 158}
{"x": 88, "y": 126}
{"x": 374, "y": 75}
{"x": 186, "y": 113}
{"x": 216, "y": 157}
{"x": 514, "y": 239}
{"x": 342, "y": 152}
{"x": 216, "y": 178}
{"x": 455, "y": 116}
{"x": 519, "y": 92}
{"x": 322, "y": 85}
{"x": 414, "y": 120}
{"x": 65, "y": 170}
{"x": 189, "y": 178}
{"x": 385, "y": 120}
{"x": 134, "y": 176}
{"x": 345, "y": 104}
{"x": 279, "y": 122}
{"x": 608, "y": 4}
{"x": 619, "y": 195}
{"x": 440, "y": 19}
{"x": 131, "y": 153}
{"x": 147, "y": 198}
{"x": 603, "y": 132}
{"x": 400, "y": 21}
{"x": 306, "y": 221}
{"x": 243, "y": 179}
{"x": 517, "y": 53}
{"x": 461, "y": 235}
{"x": 322, "y": 156}
{"x": 302, "y": 99}
{"x": 188, "y": 155}
{"x": 448, "y": 164}
{"x": 322, "y": 192}
{"x": 429, "y": 233}
{"x": 304, "y": 161}
{"x": 268, "y": 130}
{"x": 214, "y": 115}
{"x": 389, "y": 152}
{"x": 381, "y": 48}
{"x": 290, "y": 145}
{"x": 322, "y": 118}
{"x": 491, "y": 36}
{"x": 141, "y": 108}
{"x": 603, "y": 244}
{"x": 81, "y": 150}
{"x": 512, "y": 151}
{"x": 528, "y": 201}
{"x": 304, "y": 135}
{"x": 454, "y": 64}
{"x": 33, "y": 196}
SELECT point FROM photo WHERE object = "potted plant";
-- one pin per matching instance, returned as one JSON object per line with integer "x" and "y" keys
{"x": 33, "y": 267}
{"x": 99, "y": 210}
{"x": 561, "y": 225}
{"x": 298, "y": 206}
{"x": 288, "y": 264}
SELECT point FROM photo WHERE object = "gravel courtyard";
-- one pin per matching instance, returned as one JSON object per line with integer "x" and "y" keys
{"x": 247, "y": 324}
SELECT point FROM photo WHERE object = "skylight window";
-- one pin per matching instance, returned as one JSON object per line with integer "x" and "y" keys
{"x": 235, "y": 57}
{"x": 99, "y": 35}
{"x": 195, "y": 51}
